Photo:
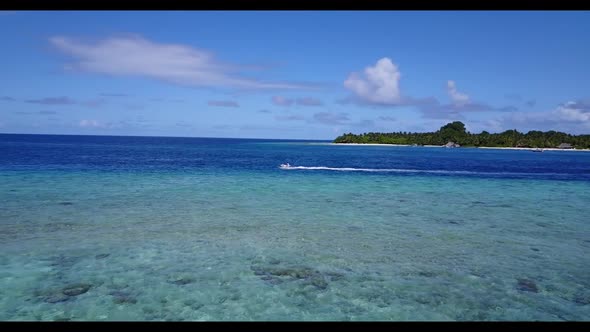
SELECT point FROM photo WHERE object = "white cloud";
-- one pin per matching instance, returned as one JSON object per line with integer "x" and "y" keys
{"x": 331, "y": 118}
{"x": 64, "y": 101}
{"x": 223, "y": 103}
{"x": 457, "y": 97}
{"x": 53, "y": 101}
{"x": 309, "y": 101}
{"x": 293, "y": 117}
{"x": 387, "y": 118}
{"x": 91, "y": 124}
{"x": 571, "y": 117}
{"x": 175, "y": 63}
{"x": 281, "y": 101}
{"x": 302, "y": 101}
{"x": 378, "y": 84}
{"x": 490, "y": 125}
{"x": 573, "y": 112}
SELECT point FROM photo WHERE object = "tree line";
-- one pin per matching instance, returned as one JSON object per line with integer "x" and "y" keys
{"x": 456, "y": 132}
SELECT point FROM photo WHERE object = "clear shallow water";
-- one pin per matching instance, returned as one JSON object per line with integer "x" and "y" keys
{"x": 211, "y": 229}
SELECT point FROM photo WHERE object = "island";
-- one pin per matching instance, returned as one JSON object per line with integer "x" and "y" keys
{"x": 454, "y": 135}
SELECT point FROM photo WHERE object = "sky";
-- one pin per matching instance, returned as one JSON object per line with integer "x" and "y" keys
{"x": 292, "y": 74}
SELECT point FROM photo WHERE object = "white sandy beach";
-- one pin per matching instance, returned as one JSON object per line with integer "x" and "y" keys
{"x": 439, "y": 146}
{"x": 544, "y": 149}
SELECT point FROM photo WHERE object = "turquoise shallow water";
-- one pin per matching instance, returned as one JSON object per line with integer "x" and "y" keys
{"x": 255, "y": 243}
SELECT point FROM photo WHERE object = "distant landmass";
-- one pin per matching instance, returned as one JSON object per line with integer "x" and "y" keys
{"x": 454, "y": 134}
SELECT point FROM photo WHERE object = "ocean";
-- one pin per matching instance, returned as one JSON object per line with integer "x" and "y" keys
{"x": 211, "y": 229}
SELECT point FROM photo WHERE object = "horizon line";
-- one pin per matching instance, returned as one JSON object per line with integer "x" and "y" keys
{"x": 155, "y": 136}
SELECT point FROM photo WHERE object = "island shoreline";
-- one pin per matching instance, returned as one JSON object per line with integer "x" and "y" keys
{"x": 442, "y": 146}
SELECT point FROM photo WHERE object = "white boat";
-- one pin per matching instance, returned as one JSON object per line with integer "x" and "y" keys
{"x": 285, "y": 166}
{"x": 537, "y": 150}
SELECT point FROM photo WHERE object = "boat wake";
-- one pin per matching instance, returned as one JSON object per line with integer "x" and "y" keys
{"x": 401, "y": 170}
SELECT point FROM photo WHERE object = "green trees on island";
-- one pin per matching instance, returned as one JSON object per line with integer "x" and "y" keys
{"x": 456, "y": 132}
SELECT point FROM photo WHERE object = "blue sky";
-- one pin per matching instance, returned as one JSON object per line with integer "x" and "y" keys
{"x": 292, "y": 74}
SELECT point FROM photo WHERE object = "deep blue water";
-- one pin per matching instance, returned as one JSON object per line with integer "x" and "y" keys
{"x": 170, "y": 154}
{"x": 154, "y": 228}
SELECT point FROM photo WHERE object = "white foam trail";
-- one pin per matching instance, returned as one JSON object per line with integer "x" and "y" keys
{"x": 397, "y": 170}
{"x": 400, "y": 170}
